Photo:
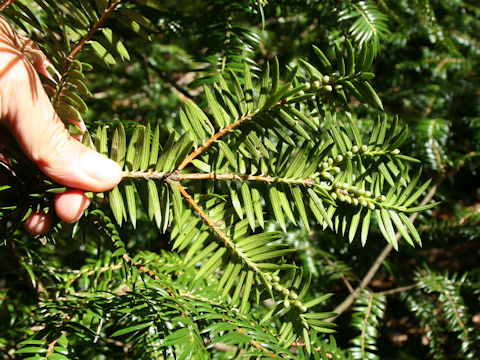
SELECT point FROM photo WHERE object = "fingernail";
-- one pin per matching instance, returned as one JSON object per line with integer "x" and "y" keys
{"x": 103, "y": 170}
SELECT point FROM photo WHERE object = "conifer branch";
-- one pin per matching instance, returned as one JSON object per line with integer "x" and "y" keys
{"x": 271, "y": 281}
{"x": 340, "y": 309}
{"x": 455, "y": 311}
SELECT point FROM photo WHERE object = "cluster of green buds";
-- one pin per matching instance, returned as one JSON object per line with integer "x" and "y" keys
{"x": 290, "y": 297}
{"x": 344, "y": 192}
{"x": 331, "y": 166}
{"x": 356, "y": 150}
{"x": 316, "y": 85}
{"x": 355, "y": 196}
{"x": 364, "y": 150}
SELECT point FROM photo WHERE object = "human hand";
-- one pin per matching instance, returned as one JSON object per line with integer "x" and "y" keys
{"x": 26, "y": 111}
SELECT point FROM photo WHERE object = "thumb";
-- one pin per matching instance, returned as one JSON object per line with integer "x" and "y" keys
{"x": 67, "y": 161}
{"x": 27, "y": 112}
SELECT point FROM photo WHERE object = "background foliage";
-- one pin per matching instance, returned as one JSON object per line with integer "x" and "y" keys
{"x": 175, "y": 264}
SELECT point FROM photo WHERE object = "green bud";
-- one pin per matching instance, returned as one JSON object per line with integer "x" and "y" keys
{"x": 339, "y": 159}
{"x": 367, "y": 75}
{"x": 341, "y": 197}
{"x": 326, "y": 79}
{"x": 396, "y": 152}
{"x": 328, "y": 88}
{"x": 286, "y": 303}
{"x": 303, "y": 309}
{"x": 355, "y": 149}
{"x": 355, "y": 201}
{"x": 293, "y": 295}
{"x": 275, "y": 278}
{"x": 371, "y": 206}
{"x": 368, "y": 193}
{"x": 285, "y": 291}
{"x": 363, "y": 203}
{"x": 348, "y": 199}
{"x": 364, "y": 148}
{"x": 326, "y": 175}
{"x": 349, "y": 155}
{"x": 334, "y": 196}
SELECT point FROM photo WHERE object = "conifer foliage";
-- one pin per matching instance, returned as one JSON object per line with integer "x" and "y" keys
{"x": 191, "y": 256}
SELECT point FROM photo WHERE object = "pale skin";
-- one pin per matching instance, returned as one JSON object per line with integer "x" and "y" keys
{"x": 27, "y": 113}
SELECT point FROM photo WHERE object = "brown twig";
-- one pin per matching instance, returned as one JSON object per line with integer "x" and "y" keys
{"x": 257, "y": 344}
{"x": 215, "y": 137}
{"x": 455, "y": 309}
{"x": 95, "y": 271}
{"x": 128, "y": 260}
{"x": 317, "y": 349}
{"x": 365, "y": 322}
{"x": 92, "y": 31}
{"x": 99, "y": 328}
{"x": 52, "y": 343}
{"x": 204, "y": 216}
{"x": 144, "y": 270}
{"x": 231, "y": 348}
{"x": 175, "y": 176}
{"x": 397, "y": 290}
{"x": 77, "y": 49}
{"x": 231, "y": 176}
{"x": 380, "y": 259}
